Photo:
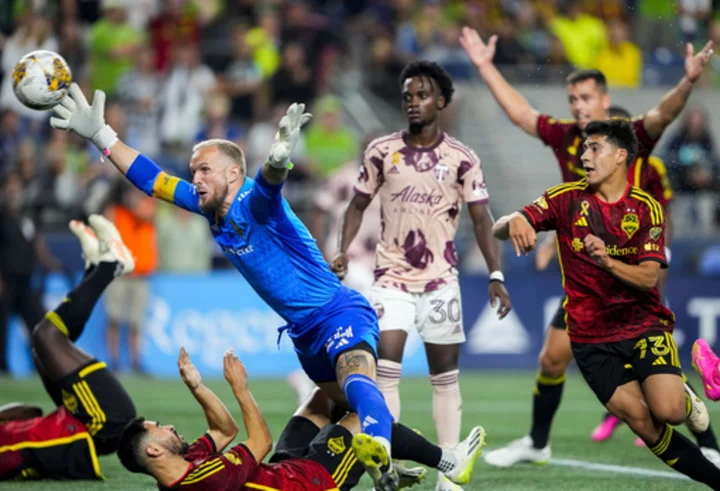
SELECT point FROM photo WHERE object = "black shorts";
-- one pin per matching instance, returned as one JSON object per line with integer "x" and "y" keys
{"x": 607, "y": 366}
{"x": 558, "y": 320}
{"x": 331, "y": 447}
{"x": 94, "y": 396}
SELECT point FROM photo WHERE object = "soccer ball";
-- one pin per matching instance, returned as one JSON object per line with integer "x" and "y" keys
{"x": 41, "y": 79}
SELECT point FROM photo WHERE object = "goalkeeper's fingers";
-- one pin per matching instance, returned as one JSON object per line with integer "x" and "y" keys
{"x": 78, "y": 96}
{"x": 98, "y": 105}
{"x": 59, "y": 123}
{"x": 283, "y": 128}
{"x": 305, "y": 119}
{"x": 68, "y": 103}
{"x": 62, "y": 111}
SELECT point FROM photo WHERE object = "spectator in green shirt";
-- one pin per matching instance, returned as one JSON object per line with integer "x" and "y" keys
{"x": 113, "y": 43}
{"x": 329, "y": 143}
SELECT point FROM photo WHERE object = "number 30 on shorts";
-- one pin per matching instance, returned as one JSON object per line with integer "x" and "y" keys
{"x": 445, "y": 311}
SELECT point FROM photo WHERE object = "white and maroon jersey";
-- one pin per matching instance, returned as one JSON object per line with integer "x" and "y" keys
{"x": 421, "y": 194}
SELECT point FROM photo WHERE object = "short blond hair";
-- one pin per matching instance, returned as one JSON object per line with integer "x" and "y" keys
{"x": 227, "y": 148}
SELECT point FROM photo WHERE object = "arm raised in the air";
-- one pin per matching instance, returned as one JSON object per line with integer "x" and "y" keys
{"x": 672, "y": 103}
{"x": 88, "y": 121}
{"x": 518, "y": 109}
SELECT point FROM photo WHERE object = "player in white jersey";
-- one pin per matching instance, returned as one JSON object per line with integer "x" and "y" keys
{"x": 422, "y": 176}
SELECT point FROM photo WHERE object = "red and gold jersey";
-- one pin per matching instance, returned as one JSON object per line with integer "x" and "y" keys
{"x": 209, "y": 470}
{"x": 55, "y": 446}
{"x": 601, "y": 308}
{"x": 646, "y": 172}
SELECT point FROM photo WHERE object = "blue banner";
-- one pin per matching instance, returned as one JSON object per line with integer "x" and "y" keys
{"x": 212, "y": 313}
{"x": 515, "y": 342}
{"x": 208, "y": 314}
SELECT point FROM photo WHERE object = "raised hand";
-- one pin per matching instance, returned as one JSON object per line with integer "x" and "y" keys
{"x": 88, "y": 121}
{"x": 234, "y": 371}
{"x": 287, "y": 135}
{"x": 188, "y": 372}
{"x": 695, "y": 63}
{"x": 479, "y": 52}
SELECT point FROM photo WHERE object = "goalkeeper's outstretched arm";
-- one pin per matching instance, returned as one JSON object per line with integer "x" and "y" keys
{"x": 88, "y": 121}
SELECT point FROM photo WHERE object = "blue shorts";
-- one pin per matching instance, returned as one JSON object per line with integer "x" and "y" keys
{"x": 343, "y": 323}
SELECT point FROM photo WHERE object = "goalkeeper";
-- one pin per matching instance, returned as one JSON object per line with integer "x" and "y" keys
{"x": 334, "y": 329}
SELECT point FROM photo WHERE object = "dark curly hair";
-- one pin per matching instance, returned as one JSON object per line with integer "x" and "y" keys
{"x": 618, "y": 132}
{"x": 433, "y": 71}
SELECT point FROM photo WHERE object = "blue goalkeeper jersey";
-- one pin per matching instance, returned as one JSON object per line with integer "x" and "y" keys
{"x": 265, "y": 241}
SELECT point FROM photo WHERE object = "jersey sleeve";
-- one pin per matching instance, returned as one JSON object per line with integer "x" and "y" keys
{"x": 371, "y": 175}
{"x": 646, "y": 144}
{"x": 202, "y": 447}
{"x": 472, "y": 181}
{"x": 242, "y": 463}
{"x": 651, "y": 236}
{"x": 177, "y": 191}
{"x": 153, "y": 181}
{"x": 266, "y": 201}
{"x": 550, "y": 130}
{"x": 543, "y": 213}
{"x": 658, "y": 185}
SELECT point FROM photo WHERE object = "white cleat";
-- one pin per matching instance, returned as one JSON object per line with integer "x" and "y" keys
{"x": 699, "y": 419}
{"x": 712, "y": 455}
{"x": 445, "y": 484}
{"x": 466, "y": 453}
{"x": 110, "y": 245}
{"x": 518, "y": 451}
{"x": 88, "y": 242}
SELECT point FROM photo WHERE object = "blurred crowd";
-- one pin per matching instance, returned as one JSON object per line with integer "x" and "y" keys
{"x": 180, "y": 71}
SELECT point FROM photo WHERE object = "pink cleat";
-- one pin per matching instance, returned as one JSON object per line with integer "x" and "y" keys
{"x": 639, "y": 442}
{"x": 605, "y": 429}
{"x": 706, "y": 364}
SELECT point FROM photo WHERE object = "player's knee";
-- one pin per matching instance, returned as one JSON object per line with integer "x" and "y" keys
{"x": 672, "y": 412}
{"x": 552, "y": 365}
{"x": 45, "y": 335}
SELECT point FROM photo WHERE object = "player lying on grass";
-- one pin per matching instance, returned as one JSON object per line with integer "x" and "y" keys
{"x": 620, "y": 332}
{"x": 92, "y": 405}
{"x": 333, "y": 328}
{"x": 312, "y": 453}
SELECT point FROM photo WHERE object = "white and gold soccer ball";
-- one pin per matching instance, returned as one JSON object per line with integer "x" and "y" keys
{"x": 41, "y": 79}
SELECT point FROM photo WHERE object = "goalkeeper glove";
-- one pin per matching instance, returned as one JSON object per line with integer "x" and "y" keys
{"x": 88, "y": 121}
{"x": 287, "y": 136}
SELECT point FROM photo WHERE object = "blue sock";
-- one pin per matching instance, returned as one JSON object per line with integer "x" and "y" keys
{"x": 368, "y": 402}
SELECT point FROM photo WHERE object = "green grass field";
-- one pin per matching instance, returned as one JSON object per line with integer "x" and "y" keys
{"x": 500, "y": 401}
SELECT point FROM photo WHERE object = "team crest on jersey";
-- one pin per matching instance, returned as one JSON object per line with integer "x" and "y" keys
{"x": 69, "y": 401}
{"x": 336, "y": 445}
{"x": 630, "y": 224}
{"x": 655, "y": 233}
{"x": 441, "y": 172}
